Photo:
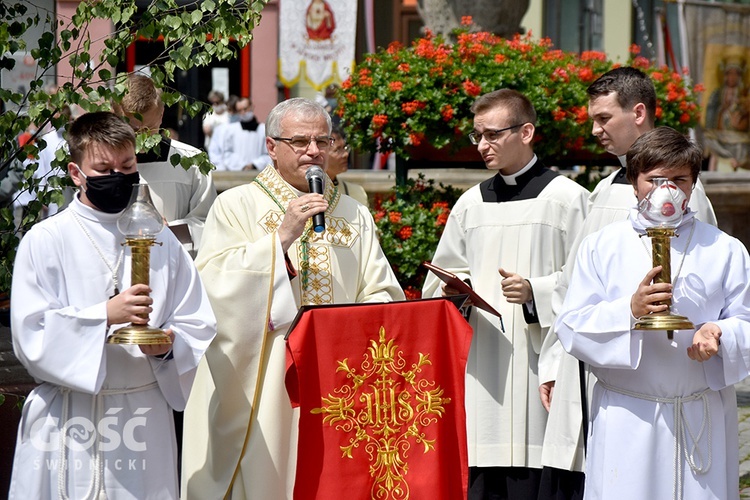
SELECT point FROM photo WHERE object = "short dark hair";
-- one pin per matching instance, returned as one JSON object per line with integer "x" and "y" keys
{"x": 232, "y": 103}
{"x": 663, "y": 147}
{"x": 100, "y": 127}
{"x": 336, "y": 128}
{"x": 632, "y": 85}
{"x": 518, "y": 104}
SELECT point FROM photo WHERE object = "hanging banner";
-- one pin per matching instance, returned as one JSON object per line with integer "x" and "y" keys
{"x": 719, "y": 48}
{"x": 317, "y": 39}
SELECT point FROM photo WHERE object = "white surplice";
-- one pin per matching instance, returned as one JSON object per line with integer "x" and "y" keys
{"x": 234, "y": 148}
{"x": 610, "y": 201}
{"x": 115, "y": 401}
{"x": 632, "y": 444}
{"x": 181, "y": 196}
{"x": 243, "y": 431}
{"x": 531, "y": 237}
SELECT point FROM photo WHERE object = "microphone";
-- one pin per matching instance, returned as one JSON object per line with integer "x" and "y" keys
{"x": 315, "y": 179}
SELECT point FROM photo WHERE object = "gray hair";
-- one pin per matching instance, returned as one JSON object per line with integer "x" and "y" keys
{"x": 305, "y": 109}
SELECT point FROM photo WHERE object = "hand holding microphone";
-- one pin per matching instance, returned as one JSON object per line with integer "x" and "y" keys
{"x": 316, "y": 180}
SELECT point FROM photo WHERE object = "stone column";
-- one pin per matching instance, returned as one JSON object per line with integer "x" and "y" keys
{"x": 502, "y": 17}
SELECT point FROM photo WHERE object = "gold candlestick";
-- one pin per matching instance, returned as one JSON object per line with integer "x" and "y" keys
{"x": 140, "y": 224}
{"x": 661, "y": 256}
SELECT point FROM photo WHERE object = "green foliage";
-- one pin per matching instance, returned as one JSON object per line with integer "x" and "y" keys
{"x": 401, "y": 96}
{"x": 410, "y": 222}
{"x": 192, "y": 35}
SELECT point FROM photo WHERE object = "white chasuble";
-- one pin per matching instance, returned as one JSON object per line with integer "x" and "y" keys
{"x": 243, "y": 439}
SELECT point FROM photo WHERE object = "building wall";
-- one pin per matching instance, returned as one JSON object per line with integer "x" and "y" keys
{"x": 617, "y": 19}
{"x": 263, "y": 61}
{"x": 99, "y": 30}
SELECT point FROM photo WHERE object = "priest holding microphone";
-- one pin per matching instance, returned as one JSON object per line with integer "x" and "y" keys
{"x": 287, "y": 239}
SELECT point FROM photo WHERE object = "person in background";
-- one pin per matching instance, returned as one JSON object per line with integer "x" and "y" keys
{"x": 183, "y": 197}
{"x": 240, "y": 144}
{"x": 52, "y": 144}
{"x": 217, "y": 116}
{"x": 664, "y": 412}
{"x": 338, "y": 163}
{"x": 99, "y": 424}
{"x": 261, "y": 261}
{"x": 508, "y": 237}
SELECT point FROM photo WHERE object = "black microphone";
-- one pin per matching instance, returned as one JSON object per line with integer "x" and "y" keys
{"x": 315, "y": 179}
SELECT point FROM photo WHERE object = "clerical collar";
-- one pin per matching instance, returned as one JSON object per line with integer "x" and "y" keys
{"x": 250, "y": 125}
{"x": 529, "y": 184}
{"x": 512, "y": 179}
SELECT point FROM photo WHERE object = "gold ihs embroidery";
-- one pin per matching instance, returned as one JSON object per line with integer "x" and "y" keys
{"x": 385, "y": 408}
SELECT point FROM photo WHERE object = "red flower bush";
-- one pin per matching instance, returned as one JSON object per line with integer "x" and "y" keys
{"x": 410, "y": 221}
{"x": 423, "y": 93}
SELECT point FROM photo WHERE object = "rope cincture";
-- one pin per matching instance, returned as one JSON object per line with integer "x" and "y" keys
{"x": 96, "y": 486}
{"x": 694, "y": 457}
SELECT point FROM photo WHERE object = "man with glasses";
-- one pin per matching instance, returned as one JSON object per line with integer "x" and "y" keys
{"x": 508, "y": 237}
{"x": 338, "y": 163}
{"x": 260, "y": 261}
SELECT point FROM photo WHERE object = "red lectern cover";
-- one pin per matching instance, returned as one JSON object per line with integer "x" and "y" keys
{"x": 381, "y": 394}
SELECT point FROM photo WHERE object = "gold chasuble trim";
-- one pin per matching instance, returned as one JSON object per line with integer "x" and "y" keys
{"x": 259, "y": 379}
{"x": 313, "y": 249}
{"x": 395, "y": 406}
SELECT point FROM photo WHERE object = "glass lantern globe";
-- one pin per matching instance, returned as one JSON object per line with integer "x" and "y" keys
{"x": 141, "y": 220}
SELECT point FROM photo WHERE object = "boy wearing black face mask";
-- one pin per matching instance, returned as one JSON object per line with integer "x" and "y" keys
{"x": 71, "y": 287}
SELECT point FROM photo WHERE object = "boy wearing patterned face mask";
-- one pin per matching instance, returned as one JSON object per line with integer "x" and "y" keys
{"x": 663, "y": 414}
{"x": 68, "y": 275}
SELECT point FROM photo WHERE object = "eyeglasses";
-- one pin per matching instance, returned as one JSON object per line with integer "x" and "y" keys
{"x": 491, "y": 136}
{"x": 340, "y": 149}
{"x": 301, "y": 142}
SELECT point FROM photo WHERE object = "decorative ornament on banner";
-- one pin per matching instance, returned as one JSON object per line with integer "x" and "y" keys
{"x": 318, "y": 41}
{"x": 719, "y": 55}
{"x": 381, "y": 392}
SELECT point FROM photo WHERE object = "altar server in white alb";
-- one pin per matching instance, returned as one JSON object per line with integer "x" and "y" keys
{"x": 509, "y": 236}
{"x": 622, "y": 107}
{"x": 664, "y": 413}
{"x": 100, "y": 423}
{"x": 182, "y": 196}
{"x": 261, "y": 261}
{"x": 241, "y": 143}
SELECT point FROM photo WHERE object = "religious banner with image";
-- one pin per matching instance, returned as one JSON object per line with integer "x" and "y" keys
{"x": 380, "y": 389}
{"x": 719, "y": 48}
{"x": 317, "y": 40}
